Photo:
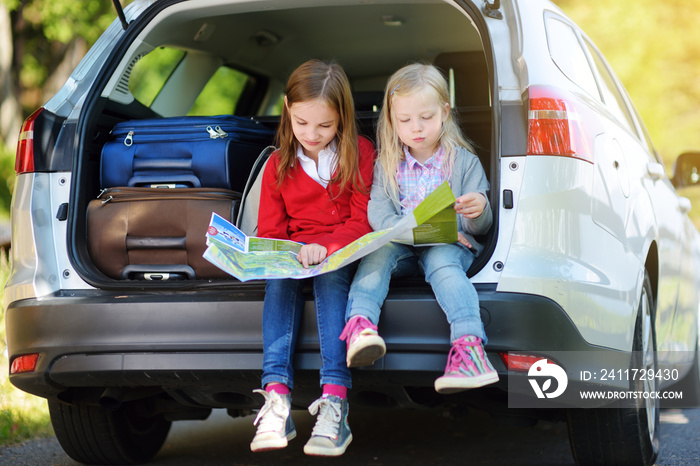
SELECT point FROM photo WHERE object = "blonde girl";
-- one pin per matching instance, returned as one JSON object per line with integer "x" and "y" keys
{"x": 420, "y": 147}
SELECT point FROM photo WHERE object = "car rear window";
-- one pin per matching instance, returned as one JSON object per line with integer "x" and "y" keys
{"x": 219, "y": 96}
{"x": 151, "y": 72}
{"x": 612, "y": 96}
{"x": 569, "y": 56}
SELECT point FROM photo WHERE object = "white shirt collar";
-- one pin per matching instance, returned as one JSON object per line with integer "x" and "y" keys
{"x": 327, "y": 162}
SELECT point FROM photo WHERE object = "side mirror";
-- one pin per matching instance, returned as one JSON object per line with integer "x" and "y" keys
{"x": 686, "y": 170}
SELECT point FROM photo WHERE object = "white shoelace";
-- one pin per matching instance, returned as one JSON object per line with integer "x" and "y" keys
{"x": 328, "y": 421}
{"x": 274, "y": 413}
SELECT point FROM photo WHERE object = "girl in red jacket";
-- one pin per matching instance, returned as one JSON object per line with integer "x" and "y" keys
{"x": 315, "y": 191}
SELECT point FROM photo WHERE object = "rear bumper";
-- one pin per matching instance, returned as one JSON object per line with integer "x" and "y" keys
{"x": 206, "y": 346}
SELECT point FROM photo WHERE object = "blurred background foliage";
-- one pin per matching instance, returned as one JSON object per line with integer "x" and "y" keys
{"x": 653, "y": 46}
{"x": 41, "y": 42}
{"x": 22, "y": 416}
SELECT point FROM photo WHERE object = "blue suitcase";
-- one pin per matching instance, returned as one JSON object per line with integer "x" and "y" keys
{"x": 212, "y": 152}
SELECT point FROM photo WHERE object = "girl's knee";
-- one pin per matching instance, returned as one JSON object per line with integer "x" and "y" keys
{"x": 448, "y": 255}
{"x": 435, "y": 263}
{"x": 384, "y": 258}
{"x": 444, "y": 271}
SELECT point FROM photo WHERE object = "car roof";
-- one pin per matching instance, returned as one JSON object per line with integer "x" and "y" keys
{"x": 272, "y": 38}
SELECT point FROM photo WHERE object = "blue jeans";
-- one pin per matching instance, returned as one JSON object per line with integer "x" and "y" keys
{"x": 445, "y": 268}
{"x": 282, "y": 311}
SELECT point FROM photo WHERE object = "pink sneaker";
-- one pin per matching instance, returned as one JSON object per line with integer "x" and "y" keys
{"x": 467, "y": 367}
{"x": 364, "y": 344}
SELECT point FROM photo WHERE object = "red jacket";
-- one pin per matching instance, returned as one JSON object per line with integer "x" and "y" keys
{"x": 304, "y": 211}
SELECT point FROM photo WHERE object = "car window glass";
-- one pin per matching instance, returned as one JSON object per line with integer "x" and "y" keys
{"x": 276, "y": 108}
{"x": 221, "y": 93}
{"x": 151, "y": 72}
{"x": 569, "y": 56}
{"x": 612, "y": 97}
{"x": 645, "y": 137}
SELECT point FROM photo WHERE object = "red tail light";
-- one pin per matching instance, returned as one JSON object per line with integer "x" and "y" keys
{"x": 25, "y": 363}
{"x": 519, "y": 362}
{"x": 555, "y": 125}
{"x": 24, "y": 161}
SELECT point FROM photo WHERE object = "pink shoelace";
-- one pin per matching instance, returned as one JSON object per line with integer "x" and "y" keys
{"x": 459, "y": 354}
{"x": 354, "y": 327}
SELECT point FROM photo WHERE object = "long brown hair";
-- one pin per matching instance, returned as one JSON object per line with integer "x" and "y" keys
{"x": 313, "y": 80}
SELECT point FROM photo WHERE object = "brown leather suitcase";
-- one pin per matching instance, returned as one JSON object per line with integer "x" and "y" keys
{"x": 156, "y": 233}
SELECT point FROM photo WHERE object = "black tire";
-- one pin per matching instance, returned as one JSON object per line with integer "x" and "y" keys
{"x": 95, "y": 435}
{"x": 628, "y": 435}
{"x": 689, "y": 386}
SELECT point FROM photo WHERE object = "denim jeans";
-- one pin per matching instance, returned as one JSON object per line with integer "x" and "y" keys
{"x": 282, "y": 311}
{"x": 444, "y": 267}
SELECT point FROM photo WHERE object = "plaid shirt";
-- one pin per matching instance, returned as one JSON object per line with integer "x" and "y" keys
{"x": 417, "y": 180}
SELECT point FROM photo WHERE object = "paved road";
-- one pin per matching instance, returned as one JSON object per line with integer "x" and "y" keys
{"x": 383, "y": 438}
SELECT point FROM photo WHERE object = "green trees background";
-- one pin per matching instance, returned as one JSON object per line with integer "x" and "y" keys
{"x": 41, "y": 42}
{"x": 653, "y": 46}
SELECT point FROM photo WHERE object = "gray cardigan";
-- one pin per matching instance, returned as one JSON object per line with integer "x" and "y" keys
{"x": 467, "y": 177}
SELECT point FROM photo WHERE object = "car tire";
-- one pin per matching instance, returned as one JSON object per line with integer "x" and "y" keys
{"x": 628, "y": 435}
{"x": 94, "y": 435}
{"x": 689, "y": 386}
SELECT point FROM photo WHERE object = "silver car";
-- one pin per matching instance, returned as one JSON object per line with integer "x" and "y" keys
{"x": 591, "y": 263}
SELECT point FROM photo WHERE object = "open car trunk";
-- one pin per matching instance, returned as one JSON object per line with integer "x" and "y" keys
{"x": 233, "y": 59}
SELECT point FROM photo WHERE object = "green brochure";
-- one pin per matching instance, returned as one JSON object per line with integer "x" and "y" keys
{"x": 440, "y": 228}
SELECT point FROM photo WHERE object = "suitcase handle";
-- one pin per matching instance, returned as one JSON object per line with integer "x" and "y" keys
{"x": 180, "y": 271}
{"x": 146, "y": 164}
{"x": 171, "y": 181}
{"x": 155, "y": 242}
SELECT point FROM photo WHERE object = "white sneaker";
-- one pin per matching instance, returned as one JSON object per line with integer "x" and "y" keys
{"x": 331, "y": 435}
{"x": 274, "y": 421}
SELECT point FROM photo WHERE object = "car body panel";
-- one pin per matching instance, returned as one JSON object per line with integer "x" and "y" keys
{"x": 555, "y": 246}
{"x": 40, "y": 263}
{"x": 88, "y": 339}
{"x": 563, "y": 269}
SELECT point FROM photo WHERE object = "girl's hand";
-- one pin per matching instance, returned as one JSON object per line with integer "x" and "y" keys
{"x": 470, "y": 205}
{"x": 311, "y": 254}
{"x": 461, "y": 239}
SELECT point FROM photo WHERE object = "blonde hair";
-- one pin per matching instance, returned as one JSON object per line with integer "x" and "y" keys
{"x": 408, "y": 81}
{"x": 313, "y": 80}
